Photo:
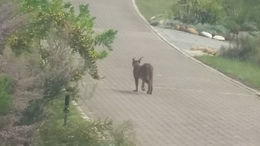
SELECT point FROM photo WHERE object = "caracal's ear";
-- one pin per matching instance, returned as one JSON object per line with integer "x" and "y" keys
{"x": 140, "y": 59}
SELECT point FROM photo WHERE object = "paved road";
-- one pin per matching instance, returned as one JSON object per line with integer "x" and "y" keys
{"x": 191, "y": 105}
{"x": 186, "y": 41}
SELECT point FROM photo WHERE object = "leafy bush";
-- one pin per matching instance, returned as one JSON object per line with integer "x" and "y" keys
{"x": 5, "y": 91}
{"x": 33, "y": 112}
{"x": 123, "y": 135}
{"x": 79, "y": 131}
{"x": 57, "y": 71}
{"x": 198, "y": 11}
{"x": 244, "y": 48}
{"x": 54, "y": 16}
{"x": 249, "y": 26}
{"x": 239, "y": 15}
{"x": 213, "y": 29}
{"x": 61, "y": 38}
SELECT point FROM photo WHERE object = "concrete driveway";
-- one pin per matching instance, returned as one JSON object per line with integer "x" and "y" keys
{"x": 191, "y": 105}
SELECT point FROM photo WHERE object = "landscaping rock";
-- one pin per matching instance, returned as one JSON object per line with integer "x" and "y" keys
{"x": 206, "y": 50}
{"x": 218, "y": 37}
{"x": 206, "y": 34}
{"x": 191, "y": 30}
{"x": 154, "y": 21}
{"x": 176, "y": 26}
{"x": 161, "y": 22}
{"x": 182, "y": 27}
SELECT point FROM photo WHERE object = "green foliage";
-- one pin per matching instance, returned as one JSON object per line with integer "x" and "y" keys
{"x": 237, "y": 12}
{"x": 238, "y": 15}
{"x": 213, "y": 29}
{"x": 5, "y": 91}
{"x": 60, "y": 68}
{"x": 247, "y": 72}
{"x": 102, "y": 54}
{"x": 79, "y": 131}
{"x": 105, "y": 39}
{"x": 124, "y": 135}
{"x": 244, "y": 48}
{"x": 151, "y": 8}
{"x": 53, "y": 86}
{"x": 198, "y": 11}
{"x": 20, "y": 44}
{"x": 57, "y": 33}
{"x": 77, "y": 29}
{"x": 235, "y": 15}
{"x": 249, "y": 26}
{"x": 33, "y": 112}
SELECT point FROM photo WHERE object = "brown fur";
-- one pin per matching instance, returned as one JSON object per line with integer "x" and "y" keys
{"x": 143, "y": 72}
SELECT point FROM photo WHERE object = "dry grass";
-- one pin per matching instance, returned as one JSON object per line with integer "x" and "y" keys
{"x": 25, "y": 89}
{"x": 9, "y": 20}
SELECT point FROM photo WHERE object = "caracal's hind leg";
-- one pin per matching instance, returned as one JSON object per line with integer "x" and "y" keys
{"x": 149, "y": 87}
{"x": 143, "y": 88}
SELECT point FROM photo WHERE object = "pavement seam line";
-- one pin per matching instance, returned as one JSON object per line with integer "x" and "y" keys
{"x": 161, "y": 37}
{"x": 82, "y": 114}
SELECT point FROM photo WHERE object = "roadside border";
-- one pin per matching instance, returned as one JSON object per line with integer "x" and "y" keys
{"x": 161, "y": 37}
{"x": 82, "y": 114}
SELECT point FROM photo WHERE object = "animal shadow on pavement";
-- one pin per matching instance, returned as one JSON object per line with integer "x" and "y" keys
{"x": 127, "y": 92}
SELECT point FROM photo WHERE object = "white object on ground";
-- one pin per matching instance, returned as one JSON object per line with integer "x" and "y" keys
{"x": 206, "y": 34}
{"x": 152, "y": 18}
{"x": 218, "y": 37}
{"x": 161, "y": 22}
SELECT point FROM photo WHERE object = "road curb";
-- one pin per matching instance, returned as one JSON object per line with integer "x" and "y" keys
{"x": 82, "y": 114}
{"x": 161, "y": 37}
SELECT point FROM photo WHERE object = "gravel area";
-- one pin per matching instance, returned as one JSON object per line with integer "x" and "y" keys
{"x": 185, "y": 41}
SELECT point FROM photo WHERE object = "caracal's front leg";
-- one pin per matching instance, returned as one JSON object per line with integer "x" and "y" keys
{"x": 136, "y": 85}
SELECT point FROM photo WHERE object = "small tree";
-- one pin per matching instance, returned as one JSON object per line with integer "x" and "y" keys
{"x": 198, "y": 11}
{"x": 59, "y": 18}
{"x": 60, "y": 37}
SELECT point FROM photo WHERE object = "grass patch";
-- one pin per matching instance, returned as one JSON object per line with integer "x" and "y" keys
{"x": 5, "y": 91}
{"x": 245, "y": 72}
{"x": 34, "y": 112}
{"x": 77, "y": 132}
{"x": 80, "y": 132}
{"x": 151, "y": 8}
{"x": 53, "y": 132}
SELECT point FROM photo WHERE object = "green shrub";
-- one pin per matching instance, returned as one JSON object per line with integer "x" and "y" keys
{"x": 33, "y": 112}
{"x": 123, "y": 135}
{"x": 239, "y": 15}
{"x": 5, "y": 91}
{"x": 198, "y": 11}
{"x": 249, "y": 26}
{"x": 214, "y": 29}
{"x": 79, "y": 132}
{"x": 244, "y": 48}
{"x": 241, "y": 49}
{"x": 54, "y": 85}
